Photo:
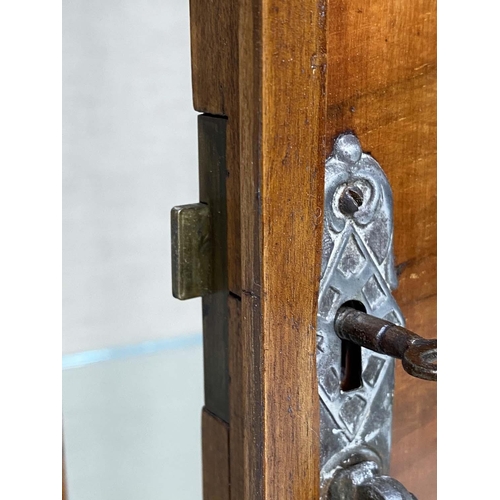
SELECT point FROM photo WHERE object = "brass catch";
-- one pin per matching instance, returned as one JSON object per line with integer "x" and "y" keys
{"x": 191, "y": 251}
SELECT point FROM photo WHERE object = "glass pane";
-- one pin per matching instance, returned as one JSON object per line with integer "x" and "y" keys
{"x": 132, "y": 378}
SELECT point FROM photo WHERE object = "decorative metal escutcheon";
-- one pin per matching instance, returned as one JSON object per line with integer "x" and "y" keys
{"x": 356, "y": 385}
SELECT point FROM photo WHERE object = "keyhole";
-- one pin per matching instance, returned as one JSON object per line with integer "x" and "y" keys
{"x": 351, "y": 363}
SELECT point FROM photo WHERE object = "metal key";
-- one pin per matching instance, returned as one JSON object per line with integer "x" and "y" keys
{"x": 363, "y": 481}
{"x": 419, "y": 355}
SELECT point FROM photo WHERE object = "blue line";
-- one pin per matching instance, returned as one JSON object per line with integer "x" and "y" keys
{"x": 85, "y": 358}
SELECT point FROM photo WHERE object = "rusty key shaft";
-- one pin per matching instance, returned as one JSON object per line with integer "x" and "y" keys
{"x": 419, "y": 355}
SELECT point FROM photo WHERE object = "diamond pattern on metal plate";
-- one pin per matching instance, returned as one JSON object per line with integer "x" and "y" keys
{"x": 357, "y": 264}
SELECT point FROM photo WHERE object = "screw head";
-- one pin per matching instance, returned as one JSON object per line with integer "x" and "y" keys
{"x": 350, "y": 200}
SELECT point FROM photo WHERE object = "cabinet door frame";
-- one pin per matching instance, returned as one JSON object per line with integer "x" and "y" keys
{"x": 286, "y": 77}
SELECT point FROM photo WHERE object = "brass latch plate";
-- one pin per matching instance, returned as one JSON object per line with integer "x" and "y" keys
{"x": 191, "y": 252}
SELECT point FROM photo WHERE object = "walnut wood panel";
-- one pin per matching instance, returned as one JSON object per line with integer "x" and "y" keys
{"x": 215, "y": 455}
{"x": 282, "y": 113}
{"x": 382, "y": 85}
{"x": 261, "y": 63}
{"x": 236, "y": 398}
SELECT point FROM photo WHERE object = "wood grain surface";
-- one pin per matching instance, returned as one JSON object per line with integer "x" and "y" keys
{"x": 382, "y": 86}
{"x": 237, "y": 401}
{"x": 276, "y": 97}
{"x": 282, "y": 153}
{"x": 263, "y": 64}
{"x": 215, "y": 456}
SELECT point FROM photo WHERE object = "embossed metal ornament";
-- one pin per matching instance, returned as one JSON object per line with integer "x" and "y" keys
{"x": 357, "y": 268}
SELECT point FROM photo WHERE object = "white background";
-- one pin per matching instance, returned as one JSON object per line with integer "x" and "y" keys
{"x": 129, "y": 155}
{"x": 30, "y": 250}
{"x": 131, "y": 426}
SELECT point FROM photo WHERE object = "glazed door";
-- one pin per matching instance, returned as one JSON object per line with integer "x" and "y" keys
{"x": 276, "y": 82}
